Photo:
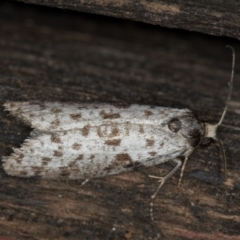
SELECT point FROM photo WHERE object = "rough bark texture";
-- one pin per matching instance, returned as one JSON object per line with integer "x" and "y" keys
{"x": 51, "y": 55}
{"x": 213, "y": 17}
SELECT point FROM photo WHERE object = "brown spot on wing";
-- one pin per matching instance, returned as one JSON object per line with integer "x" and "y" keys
{"x": 55, "y": 138}
{"x": 79, "y": 157}
{"x": 76, "y": 116}
{"x": 152, "y": 153}
{"x": 92, "y": 156}
{"x": 114, "y": 142}
{"x": 115, "y": 132}
{"x": 123, "y": 157}
{"x": 149, "y": 142}
{"x": 46, "y": 160}
{"x": 37, "y": 171}
{"x": 103, "y": 131}
{"x": 76, "y": 146}
{"x": 85, "y": 130}
{"x": 148, "y": 113}
{"x": 109, "y": 115}
{"x": 57, "y": 154}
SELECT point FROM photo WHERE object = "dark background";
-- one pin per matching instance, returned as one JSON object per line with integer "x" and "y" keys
{"x": 50, "y": 54}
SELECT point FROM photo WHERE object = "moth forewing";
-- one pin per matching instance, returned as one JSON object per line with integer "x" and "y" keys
{"x": 106, "y": 144}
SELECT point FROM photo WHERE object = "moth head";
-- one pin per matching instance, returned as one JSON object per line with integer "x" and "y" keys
{"x": 189, "y": 127}
{"x": 210, "y": 135}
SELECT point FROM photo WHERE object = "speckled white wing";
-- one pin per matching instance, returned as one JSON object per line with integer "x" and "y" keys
{"x": 102, "y": 150}
{"x": 55, "y": 116}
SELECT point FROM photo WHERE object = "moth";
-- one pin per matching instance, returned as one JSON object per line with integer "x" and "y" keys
{"x": 84, "y": 141}
{"x": 79, "y": 141}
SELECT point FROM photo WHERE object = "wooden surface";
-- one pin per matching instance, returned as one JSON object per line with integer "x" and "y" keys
{"x": 213, "y": 17}
{"x": 54, "y": 55}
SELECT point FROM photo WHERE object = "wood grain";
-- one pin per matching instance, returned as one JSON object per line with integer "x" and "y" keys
{"x": 51, "y": 55}
{"x": 212, "y": 17}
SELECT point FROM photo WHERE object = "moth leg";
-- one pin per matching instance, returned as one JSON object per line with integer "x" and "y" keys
{"x": 162, "y": 180}
{"x": 182, "y": 170}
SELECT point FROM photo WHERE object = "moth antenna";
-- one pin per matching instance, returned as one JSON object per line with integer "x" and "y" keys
{"x": 230, "y": 86}
{"x": 225, "y": 109}
{"x": 224, "y": 158}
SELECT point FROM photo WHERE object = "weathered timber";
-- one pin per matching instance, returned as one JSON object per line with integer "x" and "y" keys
{"x": 54, "y": 55}
{"x": 213, "y": 17}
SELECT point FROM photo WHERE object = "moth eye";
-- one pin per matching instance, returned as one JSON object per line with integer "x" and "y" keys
{"x": 206, "y": 142}
{"x": 174, "y": 125}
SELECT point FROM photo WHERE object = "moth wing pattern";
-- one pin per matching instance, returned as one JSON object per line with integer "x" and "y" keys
{"x": 93, "y": 140}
